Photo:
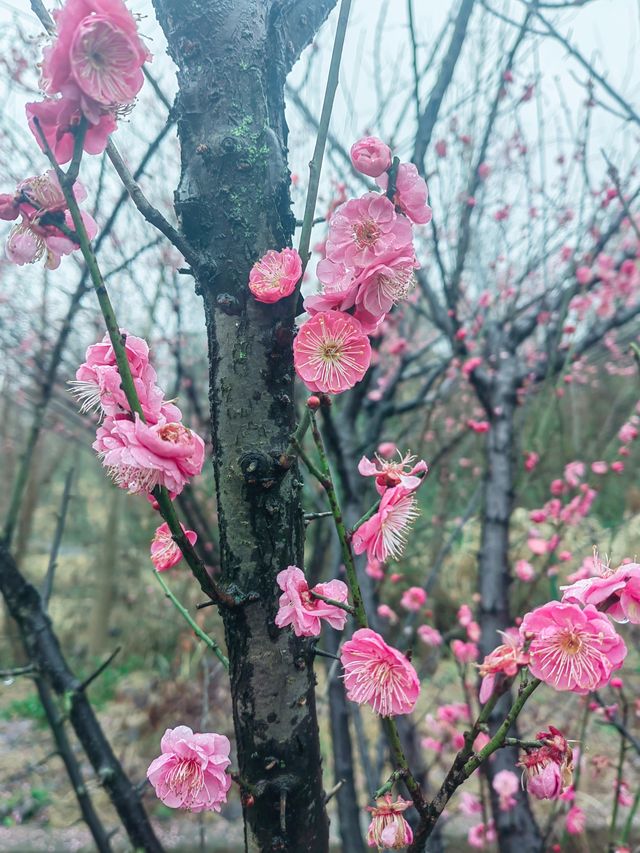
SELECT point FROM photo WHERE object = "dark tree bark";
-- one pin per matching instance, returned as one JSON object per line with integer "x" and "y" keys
{"x": 233, "y": 204}
{"x": 25, "y": 606}
{"x": 516, "y": 828}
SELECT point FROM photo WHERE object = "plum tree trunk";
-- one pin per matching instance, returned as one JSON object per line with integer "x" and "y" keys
{"x": 233, "y": 204}
{"x": 516, "y": 828}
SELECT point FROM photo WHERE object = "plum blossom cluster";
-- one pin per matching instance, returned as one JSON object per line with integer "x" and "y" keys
{"x": 615, "y": 592}
{"x": 191, "y": 772}
{"x": 139, "y": 454}
{"x": 304, "y": 608}
{"x": 368, "y": 267}
{"x": 91, "y": 72}
{"x": 43, "y": 221}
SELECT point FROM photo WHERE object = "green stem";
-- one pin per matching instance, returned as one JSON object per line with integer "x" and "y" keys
{"x": 345, "y": 545}
{"x": 388, "y": 723}
{"x": 315, "y": 166}
{"x": 626, "y": 833}
{"x": 167, "y": 510}
{"x": 498, "y": 739}
{"x": 215, "y": 648}
{"x": 346, "y": 607}
{"x": 616, "y": 791}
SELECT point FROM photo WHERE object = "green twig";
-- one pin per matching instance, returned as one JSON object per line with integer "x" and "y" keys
{"x": 215, "y": 648}
{"x": 315, "y": 166}
{"x": 346, "y": 607}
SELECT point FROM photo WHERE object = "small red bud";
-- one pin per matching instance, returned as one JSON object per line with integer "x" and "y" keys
{"x": 313, "y": 403}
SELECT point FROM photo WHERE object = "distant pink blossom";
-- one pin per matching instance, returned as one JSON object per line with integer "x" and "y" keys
{"x": 190, "y": 772}
{"x": 388, "y": 613}
{"x": 375, "y": 569}
{"x": 165, "y": 553}
{"x": 506, "y": 783}
{"x": 430, "y": 636}
{"x": 572, "y": 649}
{"x": 617, "y": 467}
{"x": 615, "y": 592}
{"x": 370, "y": 156}
{"x": 299, "y": 608}
{"x": 531, "y": 460}
{"x": 275, "y": 275}
{"x": 470, "y": 365}
{"x": 364, "y": 229}
{"x": 464, "y": 615}
{"x": 387, "y": 449}
{"x": 378, "y": 675}
{"x": 474, "y": 632}
{"x": 480, "y": 835}
{"x": 140, "y": 456}
{"x": 524, "y": 571}
{"x": 575, "y": 820}
{"x": 413, "y": 598}
{"x": 478, "y": 426}
{"x": 599, "y": 467}
{"x": 402, "y": 471}
{"x": 464, "y": 652}
{"x": 573, "y": 473}
{"x": 628, "y": 432}
{"x": 411, "y": 193}
{"x": 331, "y": 353}
{"x": 470, "y": 805}
{"x": 384, "y": 535}
{"x": 389, "y": 829}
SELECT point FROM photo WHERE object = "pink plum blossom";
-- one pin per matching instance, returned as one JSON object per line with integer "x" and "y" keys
{"x": 615, "y": 592}
{"x": 575, "y": 820}
{"x": 59, "y": 118}
{"x": 140, "y": 456}
{"x": 411, "y": 193}
{"x": 331, "y": 353}
{"x": 548, "y": 770}
{"x": 299, "y": 608}
{"x": 275, "y": 275}
{"x": 464, "y": 652}
{"x": 524, "y": 571}
{"x": 394, "y": 472}
{"x": 378, "y": 675}
{"x": 190, "y": 772}
{"x": 41, "y": 206}
{"x": 430, "y": 636}
{"x": 572, "y": 649}
{"x": 480, "y": 835}
{"x": 413, "y": 598}
{"x": 165, "y": 553}
{"x": 370, "y": 156}
{"x": 365, "y": 229}
{"x": 389, "y": 829}
{"x": 384, "y": 535}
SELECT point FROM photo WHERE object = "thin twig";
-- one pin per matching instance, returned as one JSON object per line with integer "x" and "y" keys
{"x": 47, "y": 586}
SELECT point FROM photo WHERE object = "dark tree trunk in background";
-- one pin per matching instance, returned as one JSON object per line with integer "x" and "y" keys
{"x": 233, "y": 203}
{"x": 516, "y": 828}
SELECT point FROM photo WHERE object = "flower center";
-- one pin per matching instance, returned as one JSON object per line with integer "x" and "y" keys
{"x": 186, "y": 780}
{"x": 570, "y": 642}
{"x": 173, "y": 432}
{"x": 366, "y": 233}
{"x": 331, "y": 351}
